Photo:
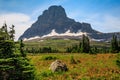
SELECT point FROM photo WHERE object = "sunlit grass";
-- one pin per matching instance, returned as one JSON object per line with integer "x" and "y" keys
{"x": 100, "y": 66}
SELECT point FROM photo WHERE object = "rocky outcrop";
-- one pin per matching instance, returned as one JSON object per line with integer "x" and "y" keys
{"x": 58, "y": 66}
{"x": 55, "y": 18}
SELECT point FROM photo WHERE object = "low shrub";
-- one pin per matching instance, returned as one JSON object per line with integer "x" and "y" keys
{"x": 49, "y": 58}
{"x": 72, "y": 60}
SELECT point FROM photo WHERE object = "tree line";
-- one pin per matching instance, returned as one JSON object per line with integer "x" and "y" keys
{"x": 41, "y": 50}
{"x": 84, "y": 47}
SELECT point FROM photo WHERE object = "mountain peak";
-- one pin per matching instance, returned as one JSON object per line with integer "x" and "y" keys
{"x": 53, "y": 13}
{"x": 55, "y": 18}
{"x": 55, "y": 7}
{"x": 57, "y": 11}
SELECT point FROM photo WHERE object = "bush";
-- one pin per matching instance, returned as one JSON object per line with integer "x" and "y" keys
{"x": 72, "y": 60}
{"x": 49, "y": 58}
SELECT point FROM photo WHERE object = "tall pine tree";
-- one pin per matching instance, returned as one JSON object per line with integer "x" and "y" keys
{"x": 13, "y": 66}
{"x": 85, "y": 44}
{"x": 12, "y": 32}
{"x": 114, "y": 45}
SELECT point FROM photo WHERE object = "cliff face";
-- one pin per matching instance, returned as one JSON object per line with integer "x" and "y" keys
{"x": 55, "y": 18}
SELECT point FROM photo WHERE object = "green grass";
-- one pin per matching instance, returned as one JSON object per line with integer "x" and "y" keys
{"x": 60, "y": 44}
{"x": 94, "y": 67}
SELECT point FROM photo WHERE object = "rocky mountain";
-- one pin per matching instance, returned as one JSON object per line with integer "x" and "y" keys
{"x": 55, "y": 22}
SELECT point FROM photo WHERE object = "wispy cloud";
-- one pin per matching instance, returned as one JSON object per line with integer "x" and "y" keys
{"x": 106, "y": 23}
{"x": 21, "y": 22}
{"x": 112, "y": 22}
{"x": 101, "y": 22}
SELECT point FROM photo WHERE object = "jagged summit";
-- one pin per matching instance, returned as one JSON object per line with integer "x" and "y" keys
{"x": 55, "y": 18}
{"x": 55, "y": 12}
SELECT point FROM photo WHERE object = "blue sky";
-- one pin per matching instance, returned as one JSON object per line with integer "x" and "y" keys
{"x": 103, "y": 15}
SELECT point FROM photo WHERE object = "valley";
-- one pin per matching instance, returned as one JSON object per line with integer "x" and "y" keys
{"x": 62, "y": 44}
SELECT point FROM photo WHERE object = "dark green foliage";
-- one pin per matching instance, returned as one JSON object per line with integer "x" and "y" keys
{"x": 4, "y": 33}
{"x": 114, "y": 45}
{"x": 41, "y": 50}
{"x": 22, "y": 48}
{"x": 73, "y": 49}
{"x": 49, "y": 58}
{"x": 13, "y": 66}
{"x": 16, "y": 69}
{"x": 85, "y": 45}
{"x": 68, "y": 50}
{"x": 94, "y": 50}
{"x": 46, "y": 50}
{"x": 12, "y": 32}
{"x": 6, "y": 49}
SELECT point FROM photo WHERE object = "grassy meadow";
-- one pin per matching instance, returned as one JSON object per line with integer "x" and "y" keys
{"x": 87, "y": 67}
{"x": 61, "y": 44}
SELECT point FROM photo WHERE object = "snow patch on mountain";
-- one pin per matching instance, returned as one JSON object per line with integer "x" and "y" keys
{"x": 98, "y": 40}
{"x": 54, "y": 33}
{"x": 36, "y": 37}
{"x": 67, "y": 33}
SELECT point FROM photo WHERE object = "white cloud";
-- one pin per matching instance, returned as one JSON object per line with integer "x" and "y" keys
{"x": 21, "y": 22}
{"x": 101, "y": 22}
{"x": 106, "y": 23}
{"x": 112, "y": 23}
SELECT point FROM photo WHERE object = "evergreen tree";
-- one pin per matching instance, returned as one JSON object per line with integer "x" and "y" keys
{"x": 22, "y": 48}
{"x": 13, "y": 66}
{"x": 94, "y": 50}
{"x": 114, "y": 45}
{"x": 4, "y": 33}
{"x": 12, "y": 32}
{"x": 85, "y": 45}
{"x": 69, "y": 49}
{"x": 4, "y": 28}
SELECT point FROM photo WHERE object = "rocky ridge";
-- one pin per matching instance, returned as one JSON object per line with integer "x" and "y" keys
{"x": 55, "y": 18}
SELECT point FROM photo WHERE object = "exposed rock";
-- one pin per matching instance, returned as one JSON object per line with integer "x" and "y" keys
{"x": 55, "y": 18}
{"x": 58, "y": 66}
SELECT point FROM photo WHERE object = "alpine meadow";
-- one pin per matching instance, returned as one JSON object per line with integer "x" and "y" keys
{"x": 59, "y": 40}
